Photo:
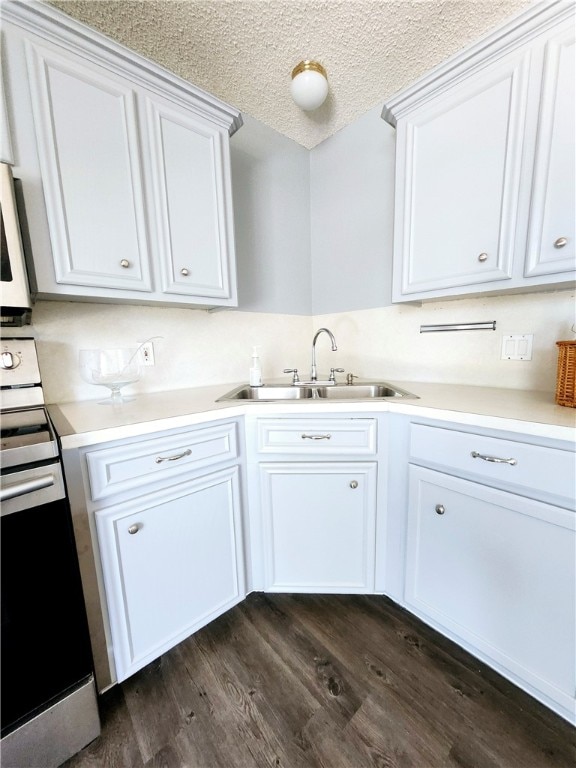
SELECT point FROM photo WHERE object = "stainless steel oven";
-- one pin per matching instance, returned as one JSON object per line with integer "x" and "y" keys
{"x": 15, "y": 299}
{"x": 49, "y": 706}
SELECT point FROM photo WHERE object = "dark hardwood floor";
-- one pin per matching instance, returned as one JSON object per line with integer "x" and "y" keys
{"x": 302, "y": 681}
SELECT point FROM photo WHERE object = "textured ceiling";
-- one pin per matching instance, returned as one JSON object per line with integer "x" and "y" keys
{"x": 244, "y": 50}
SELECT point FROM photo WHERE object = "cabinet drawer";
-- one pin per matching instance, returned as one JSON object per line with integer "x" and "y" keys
{"x": 129, "y": 466}
{"x": 534, "y": 468}
{"x": 317, "y": 436}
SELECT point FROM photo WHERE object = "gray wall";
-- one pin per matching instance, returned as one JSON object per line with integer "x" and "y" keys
{"x": 314, "y": 228}
{"x": 271, "y": 190}
{"x": 352, "y": 208}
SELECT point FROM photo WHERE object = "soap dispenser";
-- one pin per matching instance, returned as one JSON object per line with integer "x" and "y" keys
{"x": 255, "y": 369}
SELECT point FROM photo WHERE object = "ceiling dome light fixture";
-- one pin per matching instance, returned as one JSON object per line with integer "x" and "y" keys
{"x": 309, "y": 86}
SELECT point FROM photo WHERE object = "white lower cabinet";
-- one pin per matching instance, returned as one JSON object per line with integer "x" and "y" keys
{"x": 319, "y": 526}
{"x": 496, "y": 572}
{"x": 473, "y": 530}
{"x": 313, "y": 502}
{"x": 171, "y": 564}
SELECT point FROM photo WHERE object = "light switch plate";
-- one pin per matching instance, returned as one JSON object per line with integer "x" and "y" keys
{"x": 517, "y": 346}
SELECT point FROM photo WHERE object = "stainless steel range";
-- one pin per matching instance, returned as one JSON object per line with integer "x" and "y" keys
{"x": 49, "y": 707}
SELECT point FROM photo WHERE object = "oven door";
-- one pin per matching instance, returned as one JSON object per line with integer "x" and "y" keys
{"x": 45, "y": 650}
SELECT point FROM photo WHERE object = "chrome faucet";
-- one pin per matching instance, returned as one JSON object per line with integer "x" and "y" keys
{"x": 313, "y": 371}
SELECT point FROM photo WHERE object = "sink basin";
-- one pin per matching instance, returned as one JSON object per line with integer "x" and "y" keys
{"x": 361, "y": 391}
{"x": 268, "y": 392}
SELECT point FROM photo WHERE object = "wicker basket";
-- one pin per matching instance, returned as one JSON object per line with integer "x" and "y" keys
{"x": 566, "y": 376}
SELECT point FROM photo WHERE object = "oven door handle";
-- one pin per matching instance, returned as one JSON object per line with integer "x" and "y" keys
{"x": 26, "y": 486}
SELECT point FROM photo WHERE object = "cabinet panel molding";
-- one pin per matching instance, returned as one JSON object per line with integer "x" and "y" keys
{"x": 156, "y": 553}
{"x": 319, "y": 526}
{"x": 89, "y": 153}
{"x": 498, "y": 572}
{"x": 317, "y": 436}
{"x": 485, "y": 165}
{"x": 132, "y": 467}
{"x": 193, "y": 214}
{"x": 529, "y": 470}
{"x": 134, "y": 210}
{"x": 553, "y": 203}
{"x": 459, "y": 210}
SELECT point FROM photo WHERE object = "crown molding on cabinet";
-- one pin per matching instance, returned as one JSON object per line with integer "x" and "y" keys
{"x": 54, "y": 26}
{"x": 520, "y": 30}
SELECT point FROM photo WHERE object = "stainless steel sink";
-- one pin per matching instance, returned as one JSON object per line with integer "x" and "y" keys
{"x": 268, "y": 392}
{"x": 361, "y": 391}
{"x": 371, "y": 391}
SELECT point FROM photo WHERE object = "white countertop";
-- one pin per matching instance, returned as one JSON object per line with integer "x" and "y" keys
{"x": 85, "y": 423}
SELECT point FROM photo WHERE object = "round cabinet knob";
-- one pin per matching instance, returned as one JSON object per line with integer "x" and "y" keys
{"x": 561, "y": 242}
{"x": 483, "y": 257}
{"x": 125, "y": 263}
{"x": 134, "y": 529}
{"x": 440, "y": 509}
{"x": 354, "y": 484}
{"x": 184, "y": 272}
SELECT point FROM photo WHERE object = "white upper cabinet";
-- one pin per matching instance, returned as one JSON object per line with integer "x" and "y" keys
{"x": 459, "y": 201}
{"x": 551, "y": 233}
{"x": 189, "y": 172}
{"x": 89, "y": 152}
{"x": 133, "y": 163}
{"x": 485, "y": 165}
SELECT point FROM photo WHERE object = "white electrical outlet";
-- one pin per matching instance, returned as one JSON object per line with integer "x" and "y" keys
{"x": 147, "y": 353}
{"x": 517, "y": 346}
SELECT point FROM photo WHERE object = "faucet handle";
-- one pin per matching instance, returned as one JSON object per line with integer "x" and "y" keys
{"x": 295, "y": 378}
{"x": 333, "y": 371}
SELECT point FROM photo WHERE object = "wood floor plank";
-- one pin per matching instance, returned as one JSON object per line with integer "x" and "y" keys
{"x": 201, "y": 739}
{"x": 117, "y": 746}
{"x": 310, "y": 661}
{"x": 155, "y": 718}
{"x": 266, "y": 701}
{"x": 411, "y": 658}
{"x": 387, "y": 732}
{"x": 323, "y": 681}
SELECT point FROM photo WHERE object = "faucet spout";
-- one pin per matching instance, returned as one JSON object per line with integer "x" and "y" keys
{"x": 314, "y": 372}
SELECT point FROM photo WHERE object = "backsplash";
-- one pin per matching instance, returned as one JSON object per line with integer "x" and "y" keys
{"x": 199, "y": 348}
{"x": 387, "y": 342}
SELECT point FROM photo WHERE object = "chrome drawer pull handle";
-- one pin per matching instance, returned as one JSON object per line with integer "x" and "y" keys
{"x": 493, "y": 459}
{"x": 353, "y": 484}
{"x": 134, "y": 529}
{"x": 160, "y": 459}
{"x": 15, "y": 490}
{"x": 124, "y": 263}
{"x": 440, "y": 509}
{"x": 483, "y": 257}
{"x": 561, "y": 242}
{"x": 316, "y": 437}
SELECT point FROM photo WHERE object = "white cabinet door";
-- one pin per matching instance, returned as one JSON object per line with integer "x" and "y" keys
{"x": 319, "y": 526}
{"x": 191, "y": 191}
{"x": 552, "y": 233}
{"x": 125, "y": 168}
{"x": 458, "y": 173}
{"x": 89, "y": 152}
{"x": 498, "y": 572}
{"x": 171, "y": 564}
